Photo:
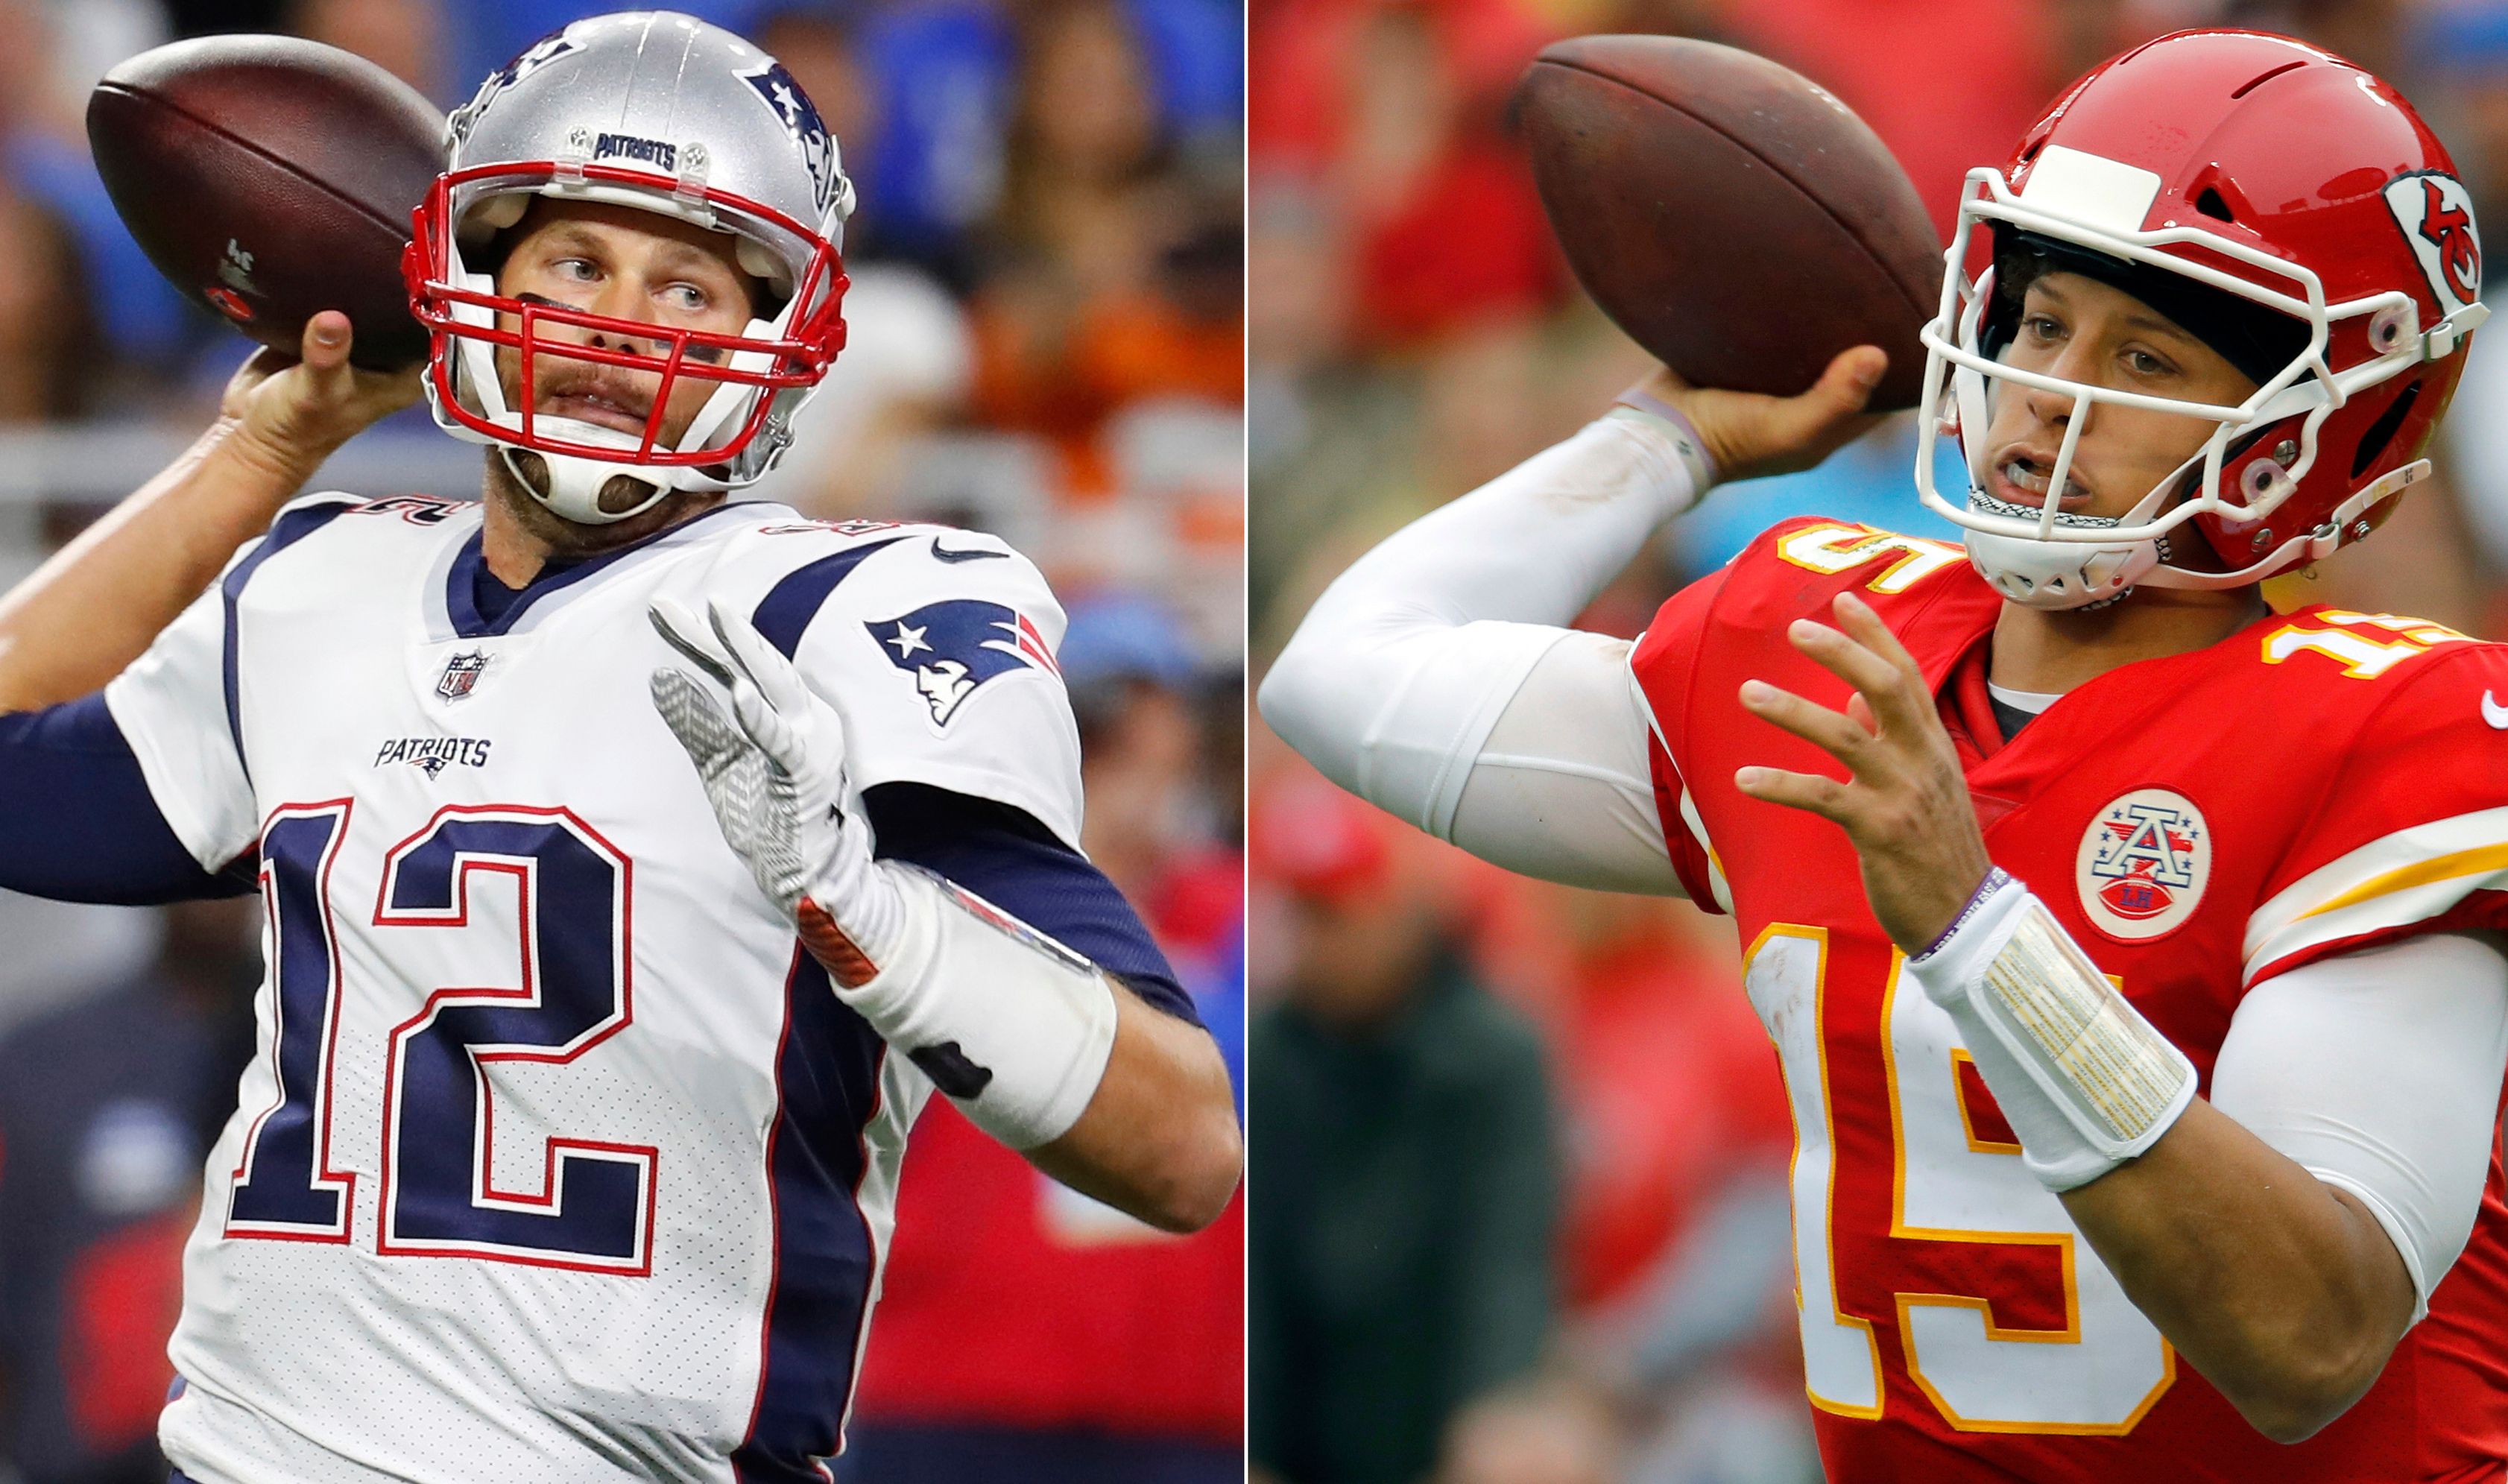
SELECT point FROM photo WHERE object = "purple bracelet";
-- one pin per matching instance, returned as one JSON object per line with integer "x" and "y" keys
{"x": 1638, "y": 399}
{"x": 1995, "y": 879}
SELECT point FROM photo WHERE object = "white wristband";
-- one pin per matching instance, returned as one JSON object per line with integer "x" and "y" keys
{"x": 1013, "y": 1027}
{"x": 2083, "y": 1078}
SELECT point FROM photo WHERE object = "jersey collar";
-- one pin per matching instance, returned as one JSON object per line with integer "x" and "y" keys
{"x": 460, "y": 580}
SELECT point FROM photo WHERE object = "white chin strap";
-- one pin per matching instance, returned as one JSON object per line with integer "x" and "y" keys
{"x": 2071, "y": 574}
{"x": 569, "y": 486}
{"x": 2057, "y": 575}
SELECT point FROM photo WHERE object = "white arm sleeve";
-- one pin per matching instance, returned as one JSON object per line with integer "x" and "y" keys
{"x": 1560, "y": 788}
{"x": 2378, "y": 1072}
{"x": 1437, "y": 666}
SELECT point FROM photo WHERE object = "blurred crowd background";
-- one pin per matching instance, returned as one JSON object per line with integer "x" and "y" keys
{"x": 1046, "y": 341}
{"x": 1518, "y": 1150}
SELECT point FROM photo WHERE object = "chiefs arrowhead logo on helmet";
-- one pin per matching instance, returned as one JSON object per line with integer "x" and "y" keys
{"x": 2450, "y": 230}
{"x": 2436, "y": 213}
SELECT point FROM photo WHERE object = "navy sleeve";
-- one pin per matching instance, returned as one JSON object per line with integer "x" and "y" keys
{"x": 1003, "y": 855}
{"x": 77, "y": 822}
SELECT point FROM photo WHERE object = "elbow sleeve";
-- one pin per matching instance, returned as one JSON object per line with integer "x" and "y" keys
{"x": 1396, "y": 715}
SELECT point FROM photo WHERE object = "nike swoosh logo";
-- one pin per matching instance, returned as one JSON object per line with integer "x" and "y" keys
{"x": 940, "y": 553}
{"x": 2494, "y": 713}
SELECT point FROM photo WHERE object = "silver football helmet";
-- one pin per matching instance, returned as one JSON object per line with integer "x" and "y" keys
{"x": 664, "y": 113}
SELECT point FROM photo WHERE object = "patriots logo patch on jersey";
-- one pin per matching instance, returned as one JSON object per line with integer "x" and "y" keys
{"x": 952, "y": 647}
{"x": 2143, "y": 864}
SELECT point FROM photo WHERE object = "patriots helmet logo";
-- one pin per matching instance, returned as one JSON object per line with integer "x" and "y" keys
{"x": 950, "y": 648}
{"x": 801, "y": 120}
{"x": 529, "y": 60}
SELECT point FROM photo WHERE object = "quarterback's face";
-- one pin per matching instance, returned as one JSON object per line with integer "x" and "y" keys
{"x": 2080, "y": 330}
{"x": 625, "y": 264}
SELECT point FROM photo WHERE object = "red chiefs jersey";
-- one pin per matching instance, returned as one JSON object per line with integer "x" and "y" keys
{"x": 2316, "y": 783}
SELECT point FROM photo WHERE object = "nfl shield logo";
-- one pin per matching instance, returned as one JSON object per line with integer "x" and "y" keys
{"x": 460, "y": 675}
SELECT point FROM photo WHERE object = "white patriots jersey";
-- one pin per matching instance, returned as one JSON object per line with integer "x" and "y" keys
{"x": 558, "y": 1161}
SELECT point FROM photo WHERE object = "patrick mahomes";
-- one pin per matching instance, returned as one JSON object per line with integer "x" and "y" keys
{"x": 2131, "y": 952}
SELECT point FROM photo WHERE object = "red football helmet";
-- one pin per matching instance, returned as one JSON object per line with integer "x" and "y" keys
{"x": 2286, "y": 206}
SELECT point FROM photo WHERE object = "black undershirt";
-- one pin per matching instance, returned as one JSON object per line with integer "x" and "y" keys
{"x": 2009, "y": 718}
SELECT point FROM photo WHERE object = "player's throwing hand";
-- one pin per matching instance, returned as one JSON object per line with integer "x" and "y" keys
{"x": 294, "y": 414}
{"x": 1749, "y": 434}
{"x": 1905, "y": 805}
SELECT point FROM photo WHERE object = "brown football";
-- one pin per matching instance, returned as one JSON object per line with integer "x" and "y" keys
{"x": 1735, "y": 219}
{"x": 274, "y": 178}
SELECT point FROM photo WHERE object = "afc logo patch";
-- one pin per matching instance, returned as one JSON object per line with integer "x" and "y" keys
{"x": 2143, "y": 865}
{"x": 952, "y": 648}
{"x": 2436, "y": 214}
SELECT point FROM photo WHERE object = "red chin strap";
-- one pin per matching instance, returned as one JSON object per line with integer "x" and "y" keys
{"x": 797, "y": 358}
